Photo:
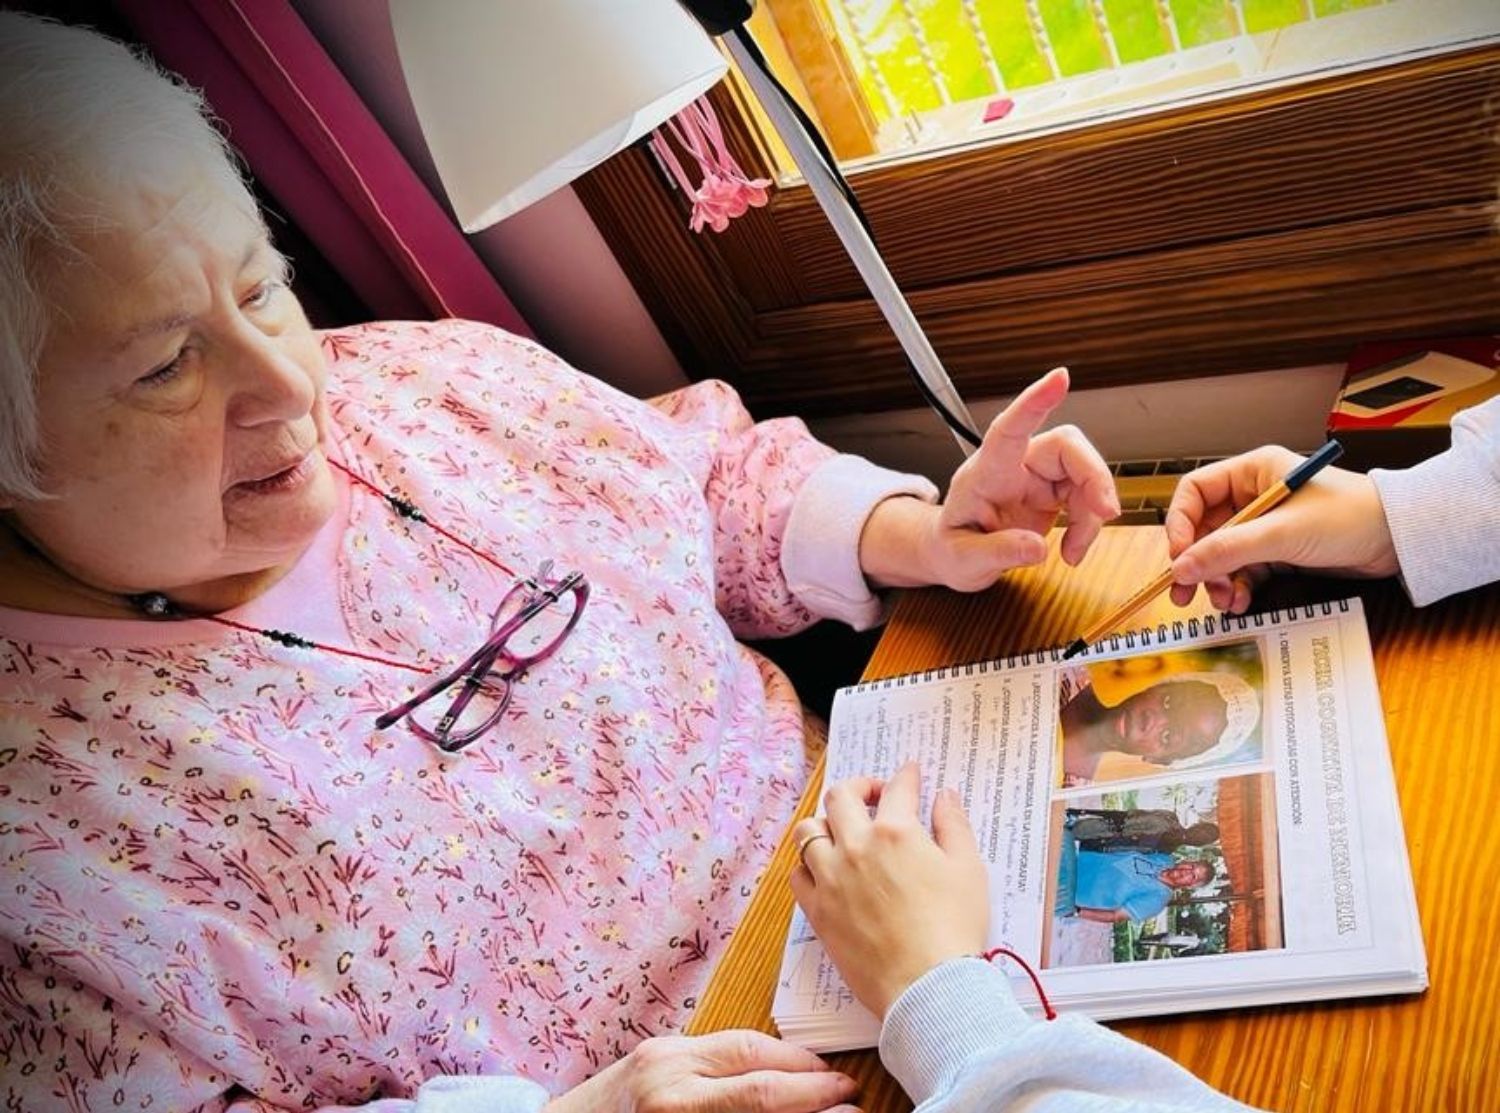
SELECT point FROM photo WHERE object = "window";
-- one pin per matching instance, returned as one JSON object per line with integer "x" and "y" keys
{"x": 896, "y": 78}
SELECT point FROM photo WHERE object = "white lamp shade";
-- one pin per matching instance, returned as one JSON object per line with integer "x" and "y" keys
{"x": 519, "y": 97}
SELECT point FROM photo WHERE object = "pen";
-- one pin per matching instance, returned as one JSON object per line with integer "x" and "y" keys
{"x": 1271, "y": 496}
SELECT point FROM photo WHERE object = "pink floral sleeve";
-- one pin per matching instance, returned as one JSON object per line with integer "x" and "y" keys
{"x": 750, "y": 473}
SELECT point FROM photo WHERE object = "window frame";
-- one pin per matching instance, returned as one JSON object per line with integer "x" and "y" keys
{"x": 1273, "y": 228}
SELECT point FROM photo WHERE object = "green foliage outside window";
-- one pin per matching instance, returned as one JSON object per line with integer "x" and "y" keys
{"x": 898, "y": 80}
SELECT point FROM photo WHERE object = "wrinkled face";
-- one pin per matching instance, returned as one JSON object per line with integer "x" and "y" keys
{"x": 1185, "y": 875}
{"x": 1171, "y": 721}
{"x": 180, "y": 397}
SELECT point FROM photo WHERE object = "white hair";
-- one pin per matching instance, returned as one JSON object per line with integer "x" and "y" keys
{"x": 74, "y": 106}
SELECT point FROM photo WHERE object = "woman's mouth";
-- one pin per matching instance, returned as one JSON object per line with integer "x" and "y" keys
{"x": 287, "y": 479}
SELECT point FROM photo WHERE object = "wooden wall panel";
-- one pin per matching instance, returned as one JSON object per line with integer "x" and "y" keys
{"x": 1277, "y": 228}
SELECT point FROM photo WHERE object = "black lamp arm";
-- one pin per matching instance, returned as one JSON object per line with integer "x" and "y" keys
{"x": 726, "y": 18}
{"x": 719, "y": 17}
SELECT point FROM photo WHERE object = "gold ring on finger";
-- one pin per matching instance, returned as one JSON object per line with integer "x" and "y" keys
{"x": 808, "y": 841}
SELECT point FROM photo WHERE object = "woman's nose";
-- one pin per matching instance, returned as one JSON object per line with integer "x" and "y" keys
{"x": 272, "y": 385}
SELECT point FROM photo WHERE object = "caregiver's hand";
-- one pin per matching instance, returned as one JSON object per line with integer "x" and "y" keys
{"x": 889, "y": 901}
{"x": 1335, "y": 524}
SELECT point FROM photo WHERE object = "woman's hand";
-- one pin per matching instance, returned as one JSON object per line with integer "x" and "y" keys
{"x": 1335, "y": 523}
{"x": 1001, "y": 503}
{"x": 727, "y": 1072}
{"x": 888, "y": 901}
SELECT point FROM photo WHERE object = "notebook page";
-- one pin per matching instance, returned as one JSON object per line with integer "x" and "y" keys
{"x": 1300, "y": 888}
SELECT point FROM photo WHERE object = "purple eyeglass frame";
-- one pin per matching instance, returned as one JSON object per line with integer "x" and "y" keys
{"x": 478, "y": 669}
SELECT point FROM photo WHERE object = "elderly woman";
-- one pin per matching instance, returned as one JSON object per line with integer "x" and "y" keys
{"x": 373, "y": 714}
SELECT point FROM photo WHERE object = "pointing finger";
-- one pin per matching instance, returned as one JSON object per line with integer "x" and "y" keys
{"x": 1009, "y": 435}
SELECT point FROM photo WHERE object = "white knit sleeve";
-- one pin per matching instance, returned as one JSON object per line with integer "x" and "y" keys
{"x": 1444, "y": 513}
{"x": 958, "y": 1043}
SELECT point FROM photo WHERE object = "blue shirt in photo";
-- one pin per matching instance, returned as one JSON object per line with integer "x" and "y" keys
{"x": 1125, "y": 880}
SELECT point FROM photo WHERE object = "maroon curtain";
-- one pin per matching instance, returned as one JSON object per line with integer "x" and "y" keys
{"x": 315, "y": 147}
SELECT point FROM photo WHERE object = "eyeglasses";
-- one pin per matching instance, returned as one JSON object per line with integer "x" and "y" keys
{"x": 534, "y": 618}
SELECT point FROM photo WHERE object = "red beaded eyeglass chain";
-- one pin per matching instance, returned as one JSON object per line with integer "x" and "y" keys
{"x": 155, "y": 604}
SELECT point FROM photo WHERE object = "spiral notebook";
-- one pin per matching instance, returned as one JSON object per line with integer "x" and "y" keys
{"x": 1198, "y": 815}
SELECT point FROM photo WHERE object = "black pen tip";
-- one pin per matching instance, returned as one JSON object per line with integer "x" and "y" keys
{"x": 1075, "y": 649}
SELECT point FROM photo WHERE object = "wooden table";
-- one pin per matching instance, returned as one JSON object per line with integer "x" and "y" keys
{"x": 1439, "y": 674}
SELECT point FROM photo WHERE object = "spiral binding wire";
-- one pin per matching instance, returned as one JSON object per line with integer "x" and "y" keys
{"x": 1166, "y": 633}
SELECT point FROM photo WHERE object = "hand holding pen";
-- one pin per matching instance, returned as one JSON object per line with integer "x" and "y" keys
{"x": 1336, "y": 524}
{"x": 1221, "y": 533}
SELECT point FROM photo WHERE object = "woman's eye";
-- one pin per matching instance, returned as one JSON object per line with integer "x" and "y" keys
{"x": 261, "y": 296}
{"x": 165, "y": 373}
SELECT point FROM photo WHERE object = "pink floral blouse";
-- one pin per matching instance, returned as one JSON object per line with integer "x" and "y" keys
{"x": 219, "y": 880}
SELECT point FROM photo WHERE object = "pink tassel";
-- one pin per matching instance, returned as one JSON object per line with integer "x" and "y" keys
{"x": 725, "y": 192}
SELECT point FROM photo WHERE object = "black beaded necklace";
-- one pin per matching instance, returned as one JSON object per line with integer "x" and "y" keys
{"x": 157, "y": 605}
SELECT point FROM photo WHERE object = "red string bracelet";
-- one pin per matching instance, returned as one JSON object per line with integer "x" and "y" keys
{"x": 1006, "y": 952}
